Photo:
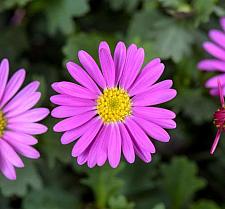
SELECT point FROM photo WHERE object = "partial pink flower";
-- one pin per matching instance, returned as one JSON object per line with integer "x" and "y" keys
{"x": 109, "y": 109}
{"x": 216, "y": 48}
{"x": 219, "y": 119}
{"x": 18, "y": 120}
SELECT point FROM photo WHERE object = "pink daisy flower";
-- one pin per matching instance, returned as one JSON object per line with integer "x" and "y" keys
{"x": 18, "y": 121}
{"x": 219, "y": 119}
{"x": 216, "y": 48}
{"x": 109, "y": 111}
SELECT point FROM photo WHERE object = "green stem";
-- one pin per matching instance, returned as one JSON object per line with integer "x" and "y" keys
{"x": 101, "y": 192}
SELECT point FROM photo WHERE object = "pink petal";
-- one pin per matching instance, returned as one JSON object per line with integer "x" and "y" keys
{"x": 92, "y": 68}
{"x": 87, "y": 138}
{"x": 164, "y": 123}
{"x": 212, "y": 65}
{"x": 83, "y": 157}
{"x": 222, "y": 23}
{"x": 139, "y": 136}
{"x": 127, "y": 144}
{"x": 154, "y": 98}
{"x": 25, "y": 105}
{"x": 153, "y": 130}
{"x": 214, "y": 50}
{"x": 215, "y": 92}
{"x": 20, "y": 137}
{"x": 23, "y": 149}
{"x": 72, "y": 135}
{"x": 95, "y": 148}
{"x": 103, "y": 45}
{"x": 212, "y": 82}
{"x": 71, "y": 101}
{"x": 135, "y": 67}
{"x": 103, "y": 146}
{"x": 13, "y": 86}
{"x": 4, "y": 72}
{"x": 7, "y": 169}
{"x": 148, "y": 76}
{"x": 33, "y": 115}
{"x": 82, "y": 77}
{"x": 131, "y": 53}
{"x": 73, "y": 122}
{"x": 28, "y": 128}
{"x": 218, "y": 37}
{"x": 73, "y": 90}
{"x": 114, "y": 146}
{"x": 9, "y": 153}
{"x": 216, "y": 141}
{"x": 220, "y": 93}
{"x": 119, "y": 60}
{"x": 67, "y": 111}
{"x": 153, "y": 112}
{"x": 166, "y": 84}
{"x": 22, "y": 96}
{"x": 107, "y": 66}
{"x": 143, "y": 154}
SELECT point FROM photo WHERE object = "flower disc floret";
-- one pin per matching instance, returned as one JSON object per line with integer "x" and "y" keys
{"x": 114, "y": 105}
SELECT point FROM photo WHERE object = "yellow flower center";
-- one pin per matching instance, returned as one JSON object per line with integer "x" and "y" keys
{"x": 114, "y": 105}
{"x": 2, "y": 123}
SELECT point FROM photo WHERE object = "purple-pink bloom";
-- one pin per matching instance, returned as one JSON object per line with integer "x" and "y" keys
{"x": 219, "y": 119}
{"x": 109, "y": 110}
{"x": 18, "y": 120}
{"x": 216, "y": 48}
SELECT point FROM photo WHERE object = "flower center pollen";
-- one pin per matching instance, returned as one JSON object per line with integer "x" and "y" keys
{"x": 2, "y": 123}
{"x": 114, "y": 105}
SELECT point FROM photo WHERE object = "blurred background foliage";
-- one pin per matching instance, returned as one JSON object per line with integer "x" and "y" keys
{"x": 41, "y": 35}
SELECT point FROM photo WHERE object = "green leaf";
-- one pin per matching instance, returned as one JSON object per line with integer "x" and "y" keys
{"x": 50, "y": 198}
{"x": 172, "y": 3}
{"x": 7, "y": 4}
{"x": 43, "y": 86}
{"x": 203, "y": 9}
{"x": 169, "y": 38}
{"x": 26, "y": 177}
{"x": 128, "y": 5}
{"x": 144, "y": 174}
{"x": 60, "y": 14}
{"x": 13, "y": 47}
{"x": 120, "y": 202}
{"x": 159, "y": 206}
{"x": 205, "y": 204}
{"x": 53, "y": 148}
{"x": 180, "y": 181}
{"x": 199, "y": 108}
{"x": 84, "y": 41}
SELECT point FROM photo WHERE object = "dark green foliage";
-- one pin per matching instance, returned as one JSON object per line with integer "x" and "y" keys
{"x": 42, "y": 35}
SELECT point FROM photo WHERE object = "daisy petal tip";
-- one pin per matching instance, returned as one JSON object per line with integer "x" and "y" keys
{"x": 131, "y": 159}
{"x": 36, "y": 83}
{"x": 201, "y": 65}
{"x": 54, "y": 85}
{"x": 22, "y": 72}
{"x": 114, "y": 165}
{"x": 36, "y": 155}
{"x": 211, "y": 152}
{"x": 69, "y": 65}
{"x": 103, "y": 44}
{"x": 222, "y": 21}
{"x": 121, "y": 44}
{"x": 12, "y": 177}
{"x": 5, "y": 62}
{"x": 56, "y": 128}
{"x": 81, "y": 53}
